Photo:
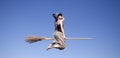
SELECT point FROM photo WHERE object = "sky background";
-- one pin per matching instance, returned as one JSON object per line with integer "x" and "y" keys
{"x": 97, "y": 19}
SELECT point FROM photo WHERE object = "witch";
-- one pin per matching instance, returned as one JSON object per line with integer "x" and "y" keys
{"x": 59, "y": 35}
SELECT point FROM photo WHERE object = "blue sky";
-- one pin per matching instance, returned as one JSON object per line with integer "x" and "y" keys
{"x": 97, "y": 19}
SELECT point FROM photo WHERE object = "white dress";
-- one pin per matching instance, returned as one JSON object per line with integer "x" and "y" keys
{"x": 59, "y": 40}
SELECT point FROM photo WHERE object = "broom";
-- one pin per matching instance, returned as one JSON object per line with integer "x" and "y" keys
{"x": 32, "y": 39}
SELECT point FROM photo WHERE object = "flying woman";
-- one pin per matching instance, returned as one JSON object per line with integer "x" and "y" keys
{"x": 59, "y": 35}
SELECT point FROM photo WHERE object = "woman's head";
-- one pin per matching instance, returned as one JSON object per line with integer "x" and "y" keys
{"x": 58, "y": 16}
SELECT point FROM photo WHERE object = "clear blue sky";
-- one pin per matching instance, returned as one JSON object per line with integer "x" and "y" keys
{"x": 97, "y": 19}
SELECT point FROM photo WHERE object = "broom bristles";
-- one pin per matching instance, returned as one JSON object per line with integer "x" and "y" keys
{"x": 32, "y": 39}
